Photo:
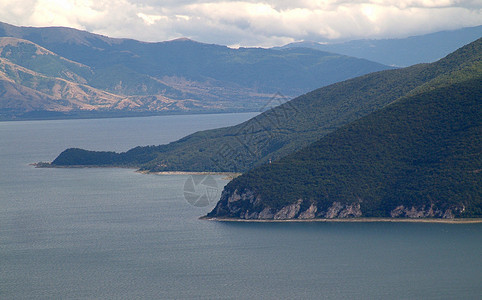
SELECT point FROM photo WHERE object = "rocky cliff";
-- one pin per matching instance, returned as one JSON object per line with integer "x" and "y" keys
{"x": 247, "y": 205}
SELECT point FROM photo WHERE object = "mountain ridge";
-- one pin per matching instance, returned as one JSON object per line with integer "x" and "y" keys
{"x": 200, "y": 77}
{"x": 400, "y": 52}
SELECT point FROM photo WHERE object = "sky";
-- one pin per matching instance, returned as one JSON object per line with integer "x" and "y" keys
{"x": 247, "y": 23}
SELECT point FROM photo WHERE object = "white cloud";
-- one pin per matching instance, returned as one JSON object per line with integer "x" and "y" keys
{"x": 247, "y": 22}
{"x": 151, "y": 19}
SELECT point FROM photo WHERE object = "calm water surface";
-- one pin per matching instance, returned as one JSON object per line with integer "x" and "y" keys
{"x": 114, "y": 233}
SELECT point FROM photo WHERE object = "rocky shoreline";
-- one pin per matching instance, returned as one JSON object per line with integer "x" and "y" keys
{"x": 349, "y": 220}
{"x": 249, "y": 206}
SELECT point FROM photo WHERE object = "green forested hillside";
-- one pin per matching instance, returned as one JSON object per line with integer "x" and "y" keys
{"x": 294, "y": 125}
{"x": 420, "y": 156}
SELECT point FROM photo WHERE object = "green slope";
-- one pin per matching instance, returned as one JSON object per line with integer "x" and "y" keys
{"x": 418, "y": 157}
{"x": 291, "y": 126}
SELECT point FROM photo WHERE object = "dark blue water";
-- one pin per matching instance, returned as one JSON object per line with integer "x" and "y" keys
{"x": 114, "y": 233}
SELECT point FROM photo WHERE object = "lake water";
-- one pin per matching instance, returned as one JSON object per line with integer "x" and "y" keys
{"x": 117, "y": 234}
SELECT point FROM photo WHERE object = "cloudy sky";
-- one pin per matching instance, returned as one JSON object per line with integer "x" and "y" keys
{"x": 247, "y": 22}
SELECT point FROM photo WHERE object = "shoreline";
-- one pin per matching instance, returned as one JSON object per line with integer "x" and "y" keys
{"x": 43, "y": 165}
{"x": 226, "y": 175}
{"x": 232, "y": 175}
{"x": 187, "y": 173}
{"x": 351, "y": 220}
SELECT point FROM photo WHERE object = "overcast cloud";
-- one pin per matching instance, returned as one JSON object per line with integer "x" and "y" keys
{"x": 246, "y": 22}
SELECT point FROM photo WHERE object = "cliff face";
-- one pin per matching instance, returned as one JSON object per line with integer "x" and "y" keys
{"x": 249, "y": 206}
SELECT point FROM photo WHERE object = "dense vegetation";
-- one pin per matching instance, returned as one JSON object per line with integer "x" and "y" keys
{"x": 294, "y": 125}
{"x": 420, "y": 151}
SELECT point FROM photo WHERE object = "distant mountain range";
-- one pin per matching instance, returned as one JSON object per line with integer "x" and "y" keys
{"x": 64, "y": 72}
{"x": 418, "y": 157}
{"x": 400, "y": 52}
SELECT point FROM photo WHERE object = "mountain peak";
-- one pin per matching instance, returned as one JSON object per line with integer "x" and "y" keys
{"x": 182, "y": 39}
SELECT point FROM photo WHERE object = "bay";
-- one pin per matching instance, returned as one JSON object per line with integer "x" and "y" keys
{"x": 115, "y": 233}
